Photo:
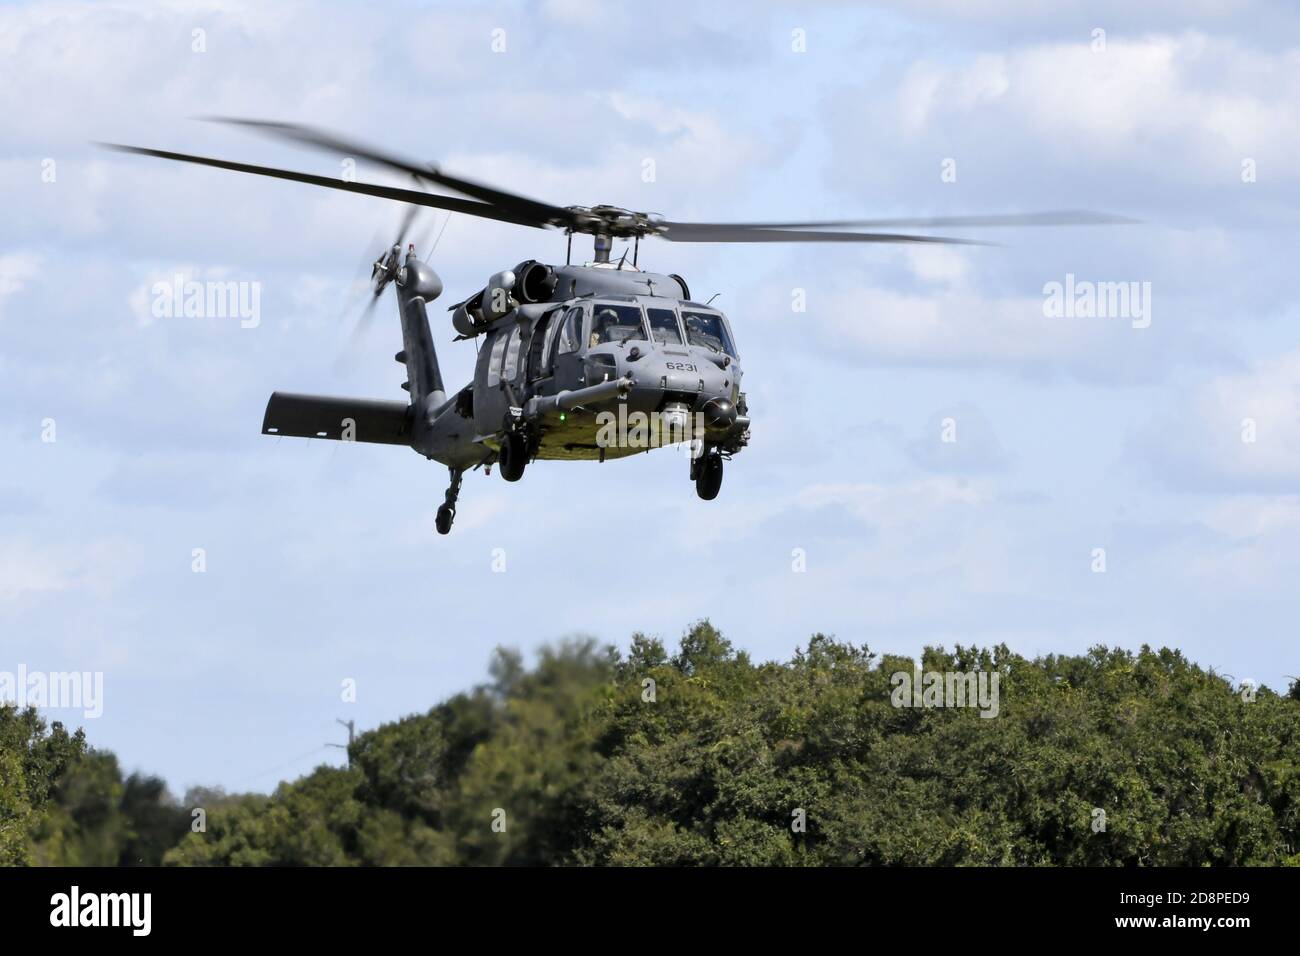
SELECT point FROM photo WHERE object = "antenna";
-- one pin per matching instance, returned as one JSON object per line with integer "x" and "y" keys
{"x": 352, "y": 733}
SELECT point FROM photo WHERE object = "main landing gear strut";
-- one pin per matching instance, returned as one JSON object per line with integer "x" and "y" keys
{"x": 447, "y": 511}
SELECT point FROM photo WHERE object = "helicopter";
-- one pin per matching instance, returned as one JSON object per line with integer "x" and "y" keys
{"x": 575, "y": 362}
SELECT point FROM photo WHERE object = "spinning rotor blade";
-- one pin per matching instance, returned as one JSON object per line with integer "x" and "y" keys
{"x": 467, "y": 206}
{"x": 361, "y": 275}
{"x": 490, "y": 202}
{"x": 719, "y": 233}
{"x": 346, "y": 358}
{"x": 735, "y": 231}
{"x": 364, "y": 320}
{"x": 530, "y": 211}
{"x": 407, "y": 218}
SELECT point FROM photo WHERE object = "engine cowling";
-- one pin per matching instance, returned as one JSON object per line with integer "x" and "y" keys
{"x": 465, "y": 318}
{"x": 497, "y": 300}
{"x": 475, "y": 314}
{"x": 529, "y": 283}
{"x": 534, "y": 281}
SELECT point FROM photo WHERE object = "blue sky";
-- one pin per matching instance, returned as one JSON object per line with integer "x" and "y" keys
{"x": 322, "y": 563}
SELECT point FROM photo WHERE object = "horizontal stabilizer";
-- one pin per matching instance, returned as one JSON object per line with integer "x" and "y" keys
{"x": 342, "y": 419}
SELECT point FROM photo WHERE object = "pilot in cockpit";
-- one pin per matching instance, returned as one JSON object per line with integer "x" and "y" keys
{"x": 604, "y": 319}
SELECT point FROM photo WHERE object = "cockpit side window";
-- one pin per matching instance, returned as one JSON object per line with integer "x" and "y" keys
{"x": 708, "y": 330}
{"x": 571, "y": 333}
{"x": 616, "y": 323}
{"x": 663, "y": 326}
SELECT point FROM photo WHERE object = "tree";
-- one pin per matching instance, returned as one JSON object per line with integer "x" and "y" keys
{"x": 32, "y": 761}
{"x": 705, "y": 758}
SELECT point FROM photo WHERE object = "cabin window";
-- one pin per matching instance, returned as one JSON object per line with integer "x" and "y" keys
{"x": 511, "y": 368}
{"x": 494, "y": 360}
{"x": 663, "y": 326}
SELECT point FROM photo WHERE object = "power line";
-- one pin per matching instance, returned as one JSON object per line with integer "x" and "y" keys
{"x": 288, "y": 763}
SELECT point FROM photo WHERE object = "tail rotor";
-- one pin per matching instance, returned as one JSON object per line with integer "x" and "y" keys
{"x": 383, "y": 271}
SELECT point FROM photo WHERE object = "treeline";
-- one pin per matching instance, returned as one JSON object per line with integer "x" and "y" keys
{"x": 702, "y": 757}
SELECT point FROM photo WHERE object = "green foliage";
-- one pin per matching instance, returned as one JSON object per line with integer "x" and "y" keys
{"x": 32, "y": 761}
{"x": 705, "y": 758}
{"x": 96, "y": 818}
{"x": 311, "y": 822}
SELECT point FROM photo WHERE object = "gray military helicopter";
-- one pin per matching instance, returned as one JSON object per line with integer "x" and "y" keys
{"x": 561, "y": 348}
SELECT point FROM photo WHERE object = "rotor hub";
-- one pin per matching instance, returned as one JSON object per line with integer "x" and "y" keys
{"x": 613, "y": 221}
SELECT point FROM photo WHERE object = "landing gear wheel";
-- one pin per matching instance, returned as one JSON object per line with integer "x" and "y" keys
{"x": 447, "y": 510}
{"x": 708, "y": 476}
{"x": 513, "y": 456}
{"x": 445, "y": 517}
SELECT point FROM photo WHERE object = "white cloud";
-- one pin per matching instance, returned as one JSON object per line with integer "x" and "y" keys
{"x": 97, "y": 568}
{"x": 1238, "y": 431}
{"x": 1260, "y": 545}
{"x": 960, "y": 326}
{"x": 16, "y": 269}
{"x": 1254, "y": 516}
{"x": 581, "y": 12}
{"x": 1206, "y": 100}
{"x": 898, "y": 506}
{"x": 938, "y": 264}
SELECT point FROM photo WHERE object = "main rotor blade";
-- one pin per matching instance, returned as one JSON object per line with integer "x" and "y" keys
{"x": 407, "y": 218}
{"x": 532, "y": 210}
{"x": 467, "y": 206}
{"x": 347, "y": 357}
{"x": 1074, "y": 217}
{"x": 721, "y": 233}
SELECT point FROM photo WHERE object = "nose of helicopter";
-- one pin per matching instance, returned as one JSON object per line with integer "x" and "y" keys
{"x": 676, "y": 381}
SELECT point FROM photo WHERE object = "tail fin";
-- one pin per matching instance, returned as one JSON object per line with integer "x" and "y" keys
{"x": 417, "y": 285}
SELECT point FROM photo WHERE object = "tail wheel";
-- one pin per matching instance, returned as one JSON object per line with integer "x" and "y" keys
{"x": 513, "y": 456}
{"x": 445, "y": 517}
{"x": 708, "y": 477}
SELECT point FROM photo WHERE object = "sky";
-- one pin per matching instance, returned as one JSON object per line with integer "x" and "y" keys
{"x": 937, "y": 457}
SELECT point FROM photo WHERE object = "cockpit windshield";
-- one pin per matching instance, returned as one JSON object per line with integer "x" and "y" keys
{"x": 663, "y": 326}
{"x": 616, "y": 323}
{"x": 708, "y": 330}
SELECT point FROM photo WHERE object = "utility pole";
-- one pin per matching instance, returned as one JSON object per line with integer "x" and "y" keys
{"x": 351, "y": 726}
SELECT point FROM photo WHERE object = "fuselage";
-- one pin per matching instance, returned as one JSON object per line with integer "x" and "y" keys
{"x": 601, "y": 324}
